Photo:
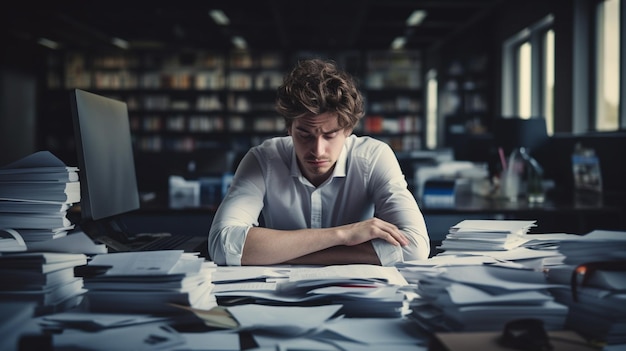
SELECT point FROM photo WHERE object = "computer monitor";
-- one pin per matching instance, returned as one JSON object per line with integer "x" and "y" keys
{"x": 108, "y": 181}
{"x": 105, "y": 160}
{"x": 513, "y": 132}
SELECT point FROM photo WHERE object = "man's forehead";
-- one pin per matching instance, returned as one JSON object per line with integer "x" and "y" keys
{"x": 325, "y": 122}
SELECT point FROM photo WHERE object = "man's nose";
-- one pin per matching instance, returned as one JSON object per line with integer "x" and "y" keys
{"x": 318, "y": 146}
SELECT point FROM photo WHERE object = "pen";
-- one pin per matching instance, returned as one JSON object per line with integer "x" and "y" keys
{"x": 502, "y": 158}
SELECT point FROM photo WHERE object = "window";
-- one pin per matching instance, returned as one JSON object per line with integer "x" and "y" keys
{"x": 607, "y": 99}
{"x": 528, "y": 73}
{"x": 431, "y": 109}
{"x": 548, "y": 80}
{"x": 524, "y": 80}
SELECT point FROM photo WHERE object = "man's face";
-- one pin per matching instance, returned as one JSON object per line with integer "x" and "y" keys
{"x": 318, "y": 141}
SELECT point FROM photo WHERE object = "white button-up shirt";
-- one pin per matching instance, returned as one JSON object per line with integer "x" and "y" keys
{"x": 366, "y": 182}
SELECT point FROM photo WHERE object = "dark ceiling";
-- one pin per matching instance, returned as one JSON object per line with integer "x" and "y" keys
{"x": 264, "y": 24}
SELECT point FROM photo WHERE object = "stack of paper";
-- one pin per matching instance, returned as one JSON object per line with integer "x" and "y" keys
{"x": 47, "y": 279}
{"x": 495, "y": 235}
{"x": 484, "y": 298}
{"x": 596, "y": 291}
{"x": 35, "y": 194}
{"x": 361, "y": 290}
{"x": 598, "y": 245}
{"x": 301, "y": 308}
{"x": 149, "y": 282}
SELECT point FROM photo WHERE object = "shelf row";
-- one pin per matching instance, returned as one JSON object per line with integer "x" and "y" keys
{"x": 242, "y": 141}
{"x": 240, "y": 70}
{"x": 182, "y": 80}
{"x": 259, "y": 124}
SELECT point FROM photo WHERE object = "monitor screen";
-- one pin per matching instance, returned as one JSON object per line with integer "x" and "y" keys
{"x": 105, "y": 156}
{"x": 513, "y": 132}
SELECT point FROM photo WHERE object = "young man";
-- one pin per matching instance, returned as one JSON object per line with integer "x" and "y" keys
{"x": 325, "y": 196}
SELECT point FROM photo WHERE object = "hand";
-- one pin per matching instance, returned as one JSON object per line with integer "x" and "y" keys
{"x": 373, "y": 228}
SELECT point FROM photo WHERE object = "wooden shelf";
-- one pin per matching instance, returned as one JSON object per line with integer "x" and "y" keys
{"x": 200, "y": 102}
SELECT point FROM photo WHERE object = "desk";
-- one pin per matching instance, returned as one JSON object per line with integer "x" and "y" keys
{"x": 554, "y": 215}
{"x": 562, "y": 215}
{"x": 400, "y": 333}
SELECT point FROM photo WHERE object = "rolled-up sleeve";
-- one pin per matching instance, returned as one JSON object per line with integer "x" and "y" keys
{"x": 394, "y": 203}
{"x": 237, "y": 213}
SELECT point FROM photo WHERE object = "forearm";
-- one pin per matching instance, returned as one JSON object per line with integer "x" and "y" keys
{"x": 358, "y": 254}
{"x": 268, "y": 246}
{"x": 350, "y": 242}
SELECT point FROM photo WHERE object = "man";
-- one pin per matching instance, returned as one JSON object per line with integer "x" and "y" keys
{"x": 325, "y": 195}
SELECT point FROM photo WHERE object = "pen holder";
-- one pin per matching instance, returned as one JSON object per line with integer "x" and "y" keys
{"x": 510, "y": 185}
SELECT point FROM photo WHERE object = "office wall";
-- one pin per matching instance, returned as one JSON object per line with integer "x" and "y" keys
{"x": 17, "y": 114}
{"x": 19, "y": 65}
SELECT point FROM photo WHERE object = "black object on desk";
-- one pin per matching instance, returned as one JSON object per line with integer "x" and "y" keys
{"x": 107, "y": 175}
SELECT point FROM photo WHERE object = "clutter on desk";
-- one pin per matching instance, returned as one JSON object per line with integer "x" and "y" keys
{"x": 47, "y": 279}
{"x": 592, "y": 282}
{"x": 437, "y": 185}
{"x": 488, "y": 234}
{"x": 361, "y": 290}
{"x": 202, "y": 191}
{"x": 522, "y": 176}
{"x": 587, "y": 174}
{"x": 141, "y": 298}
{"x": 483, "y": 291}
{"x": 36, "y": 193}
{"x": 483, "y": 298}
{"x": 149, "y": 282}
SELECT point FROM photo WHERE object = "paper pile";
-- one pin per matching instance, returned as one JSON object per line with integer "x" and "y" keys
{"x": 592, "y": 282}
{"x": 361, "y": 290}
{"x": 44, "y": 278}
{"x": 484, "y": 298}
{"x": 493, "y": 235}
{"x": 149, "y": 282}
{"x": 36, "y": 193}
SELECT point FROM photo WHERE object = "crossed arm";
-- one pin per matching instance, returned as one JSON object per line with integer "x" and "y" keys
{"x": 236, "y": 238}
{"x": 349, "y": 243}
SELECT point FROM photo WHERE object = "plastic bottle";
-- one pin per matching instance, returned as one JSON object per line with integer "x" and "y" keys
{"x": 523, "y": 176}
{"x": 513, "y": 176}
{"x": 534, "y": 180}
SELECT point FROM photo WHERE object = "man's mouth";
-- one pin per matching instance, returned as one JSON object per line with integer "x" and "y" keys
{"x": 317, "y": 162}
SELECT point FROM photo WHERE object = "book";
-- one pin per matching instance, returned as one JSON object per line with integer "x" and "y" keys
{"x": 153, "y": 301}
{"x": 20, "y": 278}
{"x": 40, "y": 176}
{"x": 37, "y": 235}
{"x": 46, "y": 295}
{"x": 42, "y": 262}
{"x": 149, "y": 282}
{"x": 35, "y": 220}
{"x": 33, "y": 207}
{"x": 60, "y": 192}
{"x": 485, "y": 235}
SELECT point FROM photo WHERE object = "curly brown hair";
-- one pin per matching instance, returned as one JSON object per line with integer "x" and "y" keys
{"x": 317, "y": 86}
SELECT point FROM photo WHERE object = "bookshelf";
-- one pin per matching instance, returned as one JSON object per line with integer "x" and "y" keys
{"x": 393, "y": 92}
{"x": 189, "y": 107}
{"x": 464, "y": 97}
